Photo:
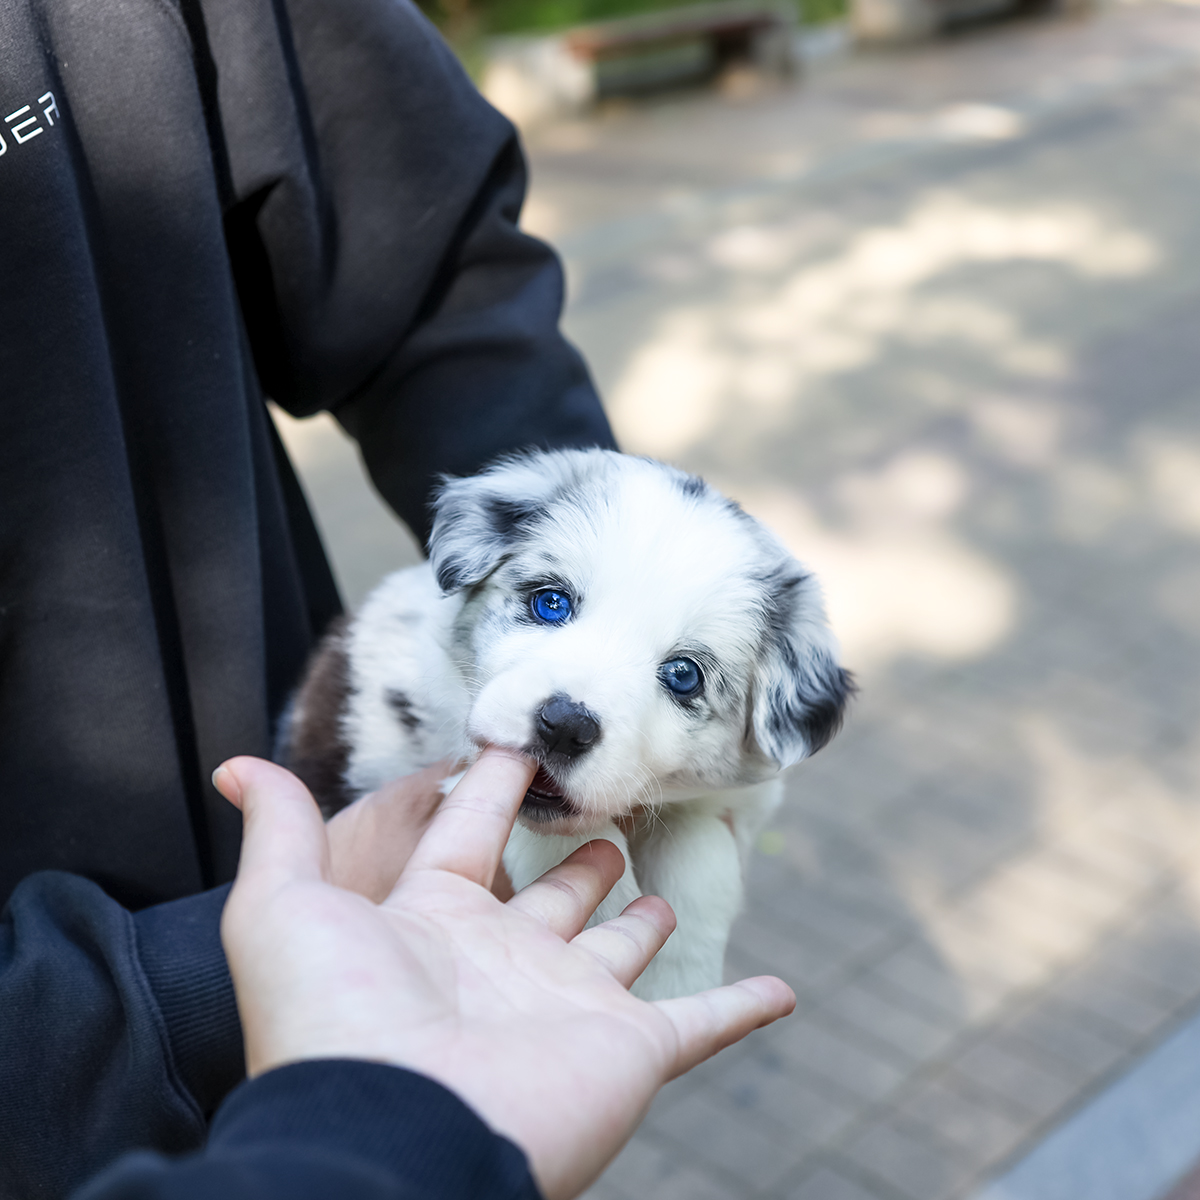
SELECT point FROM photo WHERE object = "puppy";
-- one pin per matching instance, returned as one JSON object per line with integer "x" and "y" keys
{"x": 656, "y": 651}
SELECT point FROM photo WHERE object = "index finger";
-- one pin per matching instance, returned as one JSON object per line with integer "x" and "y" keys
{"x": 468, "y": 833}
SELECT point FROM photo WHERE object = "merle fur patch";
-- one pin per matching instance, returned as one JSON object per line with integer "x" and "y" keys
{"x": 317, "y": 751}
{"x": 401, "y": 704}
{"x": 802, "y": 691}
{"x": 476, "y": 527}
{"x": 814, "y": 705}
{"x": 511, "y": 519}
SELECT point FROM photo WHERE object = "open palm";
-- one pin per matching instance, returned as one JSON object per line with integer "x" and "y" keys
{"x": 514, "y": 1006}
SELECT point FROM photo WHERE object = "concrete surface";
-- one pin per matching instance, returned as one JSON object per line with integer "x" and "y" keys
{"x": 1132, "y": 1142}
{"x": 935, "y": 316}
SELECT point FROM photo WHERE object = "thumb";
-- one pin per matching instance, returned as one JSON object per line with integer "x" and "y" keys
{"x": 283, "y": 835}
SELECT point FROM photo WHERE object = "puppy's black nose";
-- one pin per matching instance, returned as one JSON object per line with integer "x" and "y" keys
{"x": 564, "y": 727}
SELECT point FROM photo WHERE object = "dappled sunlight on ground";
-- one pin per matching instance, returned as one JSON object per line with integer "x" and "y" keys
{"x": 894, "y": 587}
{"x": 910, "y": 284}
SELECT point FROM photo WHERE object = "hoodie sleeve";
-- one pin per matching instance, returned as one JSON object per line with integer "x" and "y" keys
{"x": 313, "y": 1130}
{"x": 119, "y": 1031}
{"x": 374, "y": 199}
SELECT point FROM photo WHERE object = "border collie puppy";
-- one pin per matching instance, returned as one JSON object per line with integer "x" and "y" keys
{"x": 658, "y": 653}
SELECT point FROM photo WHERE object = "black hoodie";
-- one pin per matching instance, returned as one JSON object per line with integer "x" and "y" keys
{"x": 202, "y": 201}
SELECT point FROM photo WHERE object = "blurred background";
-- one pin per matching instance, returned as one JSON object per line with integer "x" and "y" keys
{"x": 922, "y": 290}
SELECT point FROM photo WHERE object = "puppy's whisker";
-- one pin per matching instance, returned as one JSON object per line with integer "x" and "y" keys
{"x": 654, "y": 809}
{"x": 650, "y": 788}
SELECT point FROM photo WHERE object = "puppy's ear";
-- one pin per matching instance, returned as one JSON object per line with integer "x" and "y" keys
{"x": 479, "y": 519}
{"x": 800, "y": 691}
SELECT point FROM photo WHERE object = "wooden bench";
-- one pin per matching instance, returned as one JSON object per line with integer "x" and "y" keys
{"x": 656, "y": 49}
{"x": 533, "y": 78}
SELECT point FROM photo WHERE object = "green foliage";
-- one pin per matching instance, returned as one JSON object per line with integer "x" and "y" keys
{"x": 465, "y": 20}
{"x": 819, "y": 12}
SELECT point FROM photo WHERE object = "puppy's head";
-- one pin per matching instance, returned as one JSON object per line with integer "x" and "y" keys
{"x": 635, "y": 632}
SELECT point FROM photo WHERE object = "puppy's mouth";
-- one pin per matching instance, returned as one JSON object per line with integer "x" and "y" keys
{"x": 545, "y": 801}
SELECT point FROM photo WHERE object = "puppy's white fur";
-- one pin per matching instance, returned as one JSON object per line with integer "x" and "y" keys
{"x": 446, "y": 657}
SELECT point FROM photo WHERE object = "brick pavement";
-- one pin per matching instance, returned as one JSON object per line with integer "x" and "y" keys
{"x": 959, "y": 373}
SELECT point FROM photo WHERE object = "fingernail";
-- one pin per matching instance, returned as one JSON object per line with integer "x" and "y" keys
{"x": 224, "y": 780}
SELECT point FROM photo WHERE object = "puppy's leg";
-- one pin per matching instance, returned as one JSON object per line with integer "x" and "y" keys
{"x": 691, "y": 860}
{"x": 528, "y": 856}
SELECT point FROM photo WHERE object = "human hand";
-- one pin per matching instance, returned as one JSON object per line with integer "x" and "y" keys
{"x": 510, "y": 1006}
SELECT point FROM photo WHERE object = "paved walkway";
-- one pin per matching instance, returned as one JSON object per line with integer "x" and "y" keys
{"x": 936, "y": 317}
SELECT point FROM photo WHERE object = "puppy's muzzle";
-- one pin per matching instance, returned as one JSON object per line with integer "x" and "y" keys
{"x": 564, "y": 728}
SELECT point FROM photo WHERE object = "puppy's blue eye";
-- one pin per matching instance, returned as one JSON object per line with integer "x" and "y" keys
{"x": 681, "y": 676}
{"x": 551, "y": 607}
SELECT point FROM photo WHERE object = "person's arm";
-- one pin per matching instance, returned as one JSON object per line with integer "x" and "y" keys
{"x": 348, "y": 1129}
{"x": 373, "y": 233}
{"x": 116, "y": 1030}
{"x": 120, "y": 1030}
